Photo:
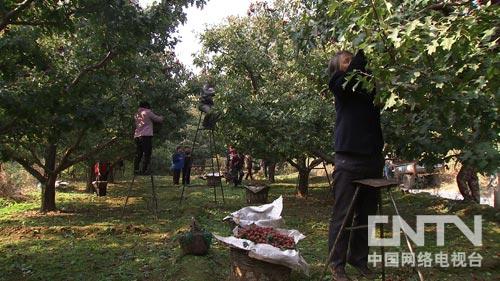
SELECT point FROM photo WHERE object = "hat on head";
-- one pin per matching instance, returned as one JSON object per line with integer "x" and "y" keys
{"x": 208, "y": 89}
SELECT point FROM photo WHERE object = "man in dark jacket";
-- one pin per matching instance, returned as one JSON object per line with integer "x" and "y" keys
{"x": 358, "y": 155}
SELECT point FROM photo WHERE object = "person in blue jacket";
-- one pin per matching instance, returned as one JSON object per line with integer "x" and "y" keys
{"x": 177, "y": 164}
{"x": 358, "y": 155}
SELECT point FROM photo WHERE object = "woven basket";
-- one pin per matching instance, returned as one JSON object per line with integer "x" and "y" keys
{"x": 195, "y": 245}
{"x": 257, "y": 198}
{"x": 244, "y": 268}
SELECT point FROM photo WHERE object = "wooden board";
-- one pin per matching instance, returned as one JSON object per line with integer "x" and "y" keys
{"x": 376, "y": 183}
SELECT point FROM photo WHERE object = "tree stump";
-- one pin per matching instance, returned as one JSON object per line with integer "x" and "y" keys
{"x": 256, "y": 194}
{"x": 244, "y": 268}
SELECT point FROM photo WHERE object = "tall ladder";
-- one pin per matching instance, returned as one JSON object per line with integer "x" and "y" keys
{"x": 153, "y": 193}
{"x": 214, "y": 164}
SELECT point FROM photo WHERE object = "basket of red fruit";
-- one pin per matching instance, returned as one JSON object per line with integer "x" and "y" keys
{"x": 266, "y": 235}
{"x": 246, "y": 268}
{"x": 260, "y": 249}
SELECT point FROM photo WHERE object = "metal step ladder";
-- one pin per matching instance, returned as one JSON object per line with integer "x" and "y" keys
{"x": 214, "y": 164}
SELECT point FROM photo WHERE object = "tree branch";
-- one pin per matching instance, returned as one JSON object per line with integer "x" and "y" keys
{"x": 36, "y": 160}
{"x": 24, "y": 162}
{"x": 295, "y": 165}
{"x": 70, "y": 150}
{"x": 444, "y": 7}
{"x": 330, "y": 159}
{"x": 90, "y": 68}
{"x": 4, "y": 129}
{"x": 9, "y": 16}
{"x": 252, "y": 77}
{"x": 85, "y": 156}
{"x": 33, "y": 23}
{"x": 382, "y": 33}
{"x": 315, "y": 163}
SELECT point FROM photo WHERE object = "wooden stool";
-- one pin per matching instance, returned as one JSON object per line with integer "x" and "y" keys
{"x": 380, "y": 184}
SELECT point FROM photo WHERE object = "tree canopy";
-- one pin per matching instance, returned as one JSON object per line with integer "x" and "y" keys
{"x": 435, "y": 66}
{"x": 72, "y": 74}
{"x": 268, "y": 92}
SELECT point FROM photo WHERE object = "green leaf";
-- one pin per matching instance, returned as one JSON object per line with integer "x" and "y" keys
{"x": 431, "y": 49}
{"x": 447, "y": 43}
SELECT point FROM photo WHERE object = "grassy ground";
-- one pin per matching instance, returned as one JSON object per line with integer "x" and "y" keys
{"x": 88, "y": 239}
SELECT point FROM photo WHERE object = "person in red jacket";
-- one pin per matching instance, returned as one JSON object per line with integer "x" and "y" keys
{"x": 101, "y": 172}
{"x": 143, "y": 136}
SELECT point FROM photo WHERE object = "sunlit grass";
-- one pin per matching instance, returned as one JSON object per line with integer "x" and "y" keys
{"x": 89, "y": 240}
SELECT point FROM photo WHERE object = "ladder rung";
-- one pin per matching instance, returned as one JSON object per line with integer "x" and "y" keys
{"x": 356, "y": 227}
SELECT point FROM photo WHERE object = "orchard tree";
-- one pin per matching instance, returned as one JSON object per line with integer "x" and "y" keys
{"x": 268, "y": 93}
{"x": 435, "y": 65}
{"x": 72, "y": 74}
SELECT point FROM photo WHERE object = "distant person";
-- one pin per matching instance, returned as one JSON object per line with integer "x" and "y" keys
{"x": 101, "y": 172}
{"x": 230, "y": 148}
{"x": 177, "y": 164}
{"x": 229, "y": 155}
{"x": 263, "y": 164}
{"x": 237, "y": 162}
{"x": 143, "y": 136}
{"x": 120, "y": 167}
{"x": 206, "y": 104}
{"x": 358, "y": 155}
{"x": 249, "y": 166}
{"x": 188, "y": 164}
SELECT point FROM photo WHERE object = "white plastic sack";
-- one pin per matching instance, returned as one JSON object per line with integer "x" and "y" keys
{"x": 264, "y": 215}
{"x": 268, "y": 253}
{"x": 288, "y": 258}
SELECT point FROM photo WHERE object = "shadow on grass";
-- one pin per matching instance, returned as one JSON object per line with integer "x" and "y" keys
{"x": 88, "y": 239}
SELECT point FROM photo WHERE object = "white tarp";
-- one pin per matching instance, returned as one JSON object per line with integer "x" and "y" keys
{"x": 268, "y": 215}
{"x": 264, "y": 215}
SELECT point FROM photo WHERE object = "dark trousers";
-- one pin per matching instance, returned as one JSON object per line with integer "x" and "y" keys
{"x": 102, "y": 184}
{"x": 353, "y": 245}
{"x": 249, "y": 174}
{"x": 186, "y": 175}
{"x": 144, "y": 146}
{"x": 237, "y": 176}
{"x": 176, "y": 176}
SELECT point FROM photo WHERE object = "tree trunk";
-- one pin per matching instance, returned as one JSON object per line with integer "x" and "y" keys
{"x": 271, "y": 171}
{"x": 496, "y": 193}
{"x": 468, "y": 183}
{"x": 49, "y": 194}
{"x": 90, "y": 178}
{"x": 303, "y": 188}
{"x": 111, "y": 174}
{"x": 49, "y": 187}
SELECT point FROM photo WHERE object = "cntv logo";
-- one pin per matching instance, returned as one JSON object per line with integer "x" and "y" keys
{"x": 418, "y": 235}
